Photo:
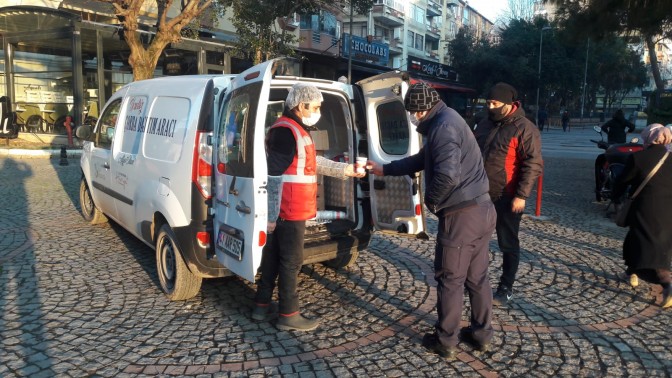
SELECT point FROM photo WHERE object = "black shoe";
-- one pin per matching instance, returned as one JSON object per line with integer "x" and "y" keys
{"x": 431, "y": 342}
{"x": 502, "y": 296}
{"x": 467, "y": 335}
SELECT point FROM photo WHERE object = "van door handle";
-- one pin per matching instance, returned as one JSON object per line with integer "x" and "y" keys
{"x": 106, "y": 165}
{"x": 244, "y": 209}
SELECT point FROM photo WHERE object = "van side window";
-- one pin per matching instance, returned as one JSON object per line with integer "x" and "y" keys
{"x": 107, "y": 124}
{"x": 236, "y": 133}
{"x": 393, "y": 124}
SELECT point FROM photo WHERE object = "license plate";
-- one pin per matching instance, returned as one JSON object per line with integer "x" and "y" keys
{"x": 230, "y": 244}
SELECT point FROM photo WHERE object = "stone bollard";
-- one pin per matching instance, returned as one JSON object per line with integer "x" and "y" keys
{"x": 64, "y": 156}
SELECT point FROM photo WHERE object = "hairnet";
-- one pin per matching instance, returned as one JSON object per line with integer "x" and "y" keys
{"x": 656, "y": 133}
{"x": 302, "y": 93}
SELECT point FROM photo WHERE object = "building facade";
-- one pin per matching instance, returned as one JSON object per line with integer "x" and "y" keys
{"x": 66, "y": 57}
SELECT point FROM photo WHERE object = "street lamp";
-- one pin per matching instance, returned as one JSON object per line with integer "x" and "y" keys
{"x": 541, "y": 43}
{"x": 585, "y": 73}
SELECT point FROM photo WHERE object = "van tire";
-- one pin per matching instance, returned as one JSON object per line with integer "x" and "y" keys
{"x": 342, "y": 261}
{"x": 90, "y": 211}
{"x": 177, "y": 281}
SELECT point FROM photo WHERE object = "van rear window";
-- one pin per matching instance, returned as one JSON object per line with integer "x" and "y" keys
{"x": 394, "y": 134}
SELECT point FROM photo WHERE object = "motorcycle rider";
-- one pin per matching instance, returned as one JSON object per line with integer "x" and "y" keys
{"x": 615, "y": 130}
{"x": 615, "y": 127}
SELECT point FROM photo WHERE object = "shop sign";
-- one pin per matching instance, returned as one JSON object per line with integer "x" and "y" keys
{"x": 365, "y": 51}
{"x": 433, "y": 69}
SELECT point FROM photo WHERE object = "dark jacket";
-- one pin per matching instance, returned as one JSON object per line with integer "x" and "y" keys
{"x": 512, "y": 153}
{"x": 454, "y": 174}
{"x": 615, "y": 129}
{"x": 648, "y": 244}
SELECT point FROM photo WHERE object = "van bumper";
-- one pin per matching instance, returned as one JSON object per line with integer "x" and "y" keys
{"x": 324, "y": 250}
{"x": 201, "y": 261}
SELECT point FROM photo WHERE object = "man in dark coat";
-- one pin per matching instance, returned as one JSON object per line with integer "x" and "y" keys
{"x": 456, "y": 190}
{"x": 511, "y": 147}
{"x": 647, "y": 249}
{"x": 615, "y": 128}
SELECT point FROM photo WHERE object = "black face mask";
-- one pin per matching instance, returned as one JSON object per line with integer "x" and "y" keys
{"x": 497, "y": 114}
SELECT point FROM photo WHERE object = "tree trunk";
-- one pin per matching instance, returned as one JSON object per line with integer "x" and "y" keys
{"x": 655, "y": 67}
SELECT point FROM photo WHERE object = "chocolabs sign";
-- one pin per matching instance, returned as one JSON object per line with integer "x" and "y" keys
{"x": 365, "y": 51}
{"x": 437, "y": 70}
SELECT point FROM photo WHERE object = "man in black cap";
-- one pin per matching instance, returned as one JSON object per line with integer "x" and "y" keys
{"x": 456, "y": 190}
{"x": 511, "y": 147}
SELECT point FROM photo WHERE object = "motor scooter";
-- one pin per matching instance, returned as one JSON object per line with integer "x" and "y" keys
{"x": 610, "y": 164}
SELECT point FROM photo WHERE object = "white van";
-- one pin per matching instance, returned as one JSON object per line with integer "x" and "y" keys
{"x": 149, "y": 165}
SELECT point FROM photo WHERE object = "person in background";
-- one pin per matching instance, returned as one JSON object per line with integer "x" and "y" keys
{"x": 456, "y": 191}
{"x": 293, "y": 167}
{"x": 647, "y": 249}
{"x": 511, "y": 147}
{"x": 542, "y": 117}
{"x": 565, "y": 121}
{"x": 616, "y": 126}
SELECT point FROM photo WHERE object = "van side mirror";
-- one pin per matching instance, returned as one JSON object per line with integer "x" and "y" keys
{"x": 109, "y": 133}
{"x": 597, "y": 129}
{"x": 83, "y": 132}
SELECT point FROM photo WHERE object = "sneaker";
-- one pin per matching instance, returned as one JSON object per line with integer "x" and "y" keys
{"x": 296, "y": 322}
{"x": 467, "y": 335}
{"x": 502, "y": 296}
{"x": 262, "y": 312}
{"x": 667, "y": 297}
{"x": 431, "y": 342}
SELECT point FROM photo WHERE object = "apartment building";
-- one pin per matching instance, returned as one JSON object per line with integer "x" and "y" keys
{"x": 76, "y": 58}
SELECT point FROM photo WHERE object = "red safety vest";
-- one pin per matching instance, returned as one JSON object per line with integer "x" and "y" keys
{"x": 299, "y": 188}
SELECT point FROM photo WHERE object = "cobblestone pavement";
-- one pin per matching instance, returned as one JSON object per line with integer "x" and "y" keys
{"x": 79, "y": 300}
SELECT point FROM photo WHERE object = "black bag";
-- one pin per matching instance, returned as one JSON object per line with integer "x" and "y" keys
{"x": 623, "y": 213}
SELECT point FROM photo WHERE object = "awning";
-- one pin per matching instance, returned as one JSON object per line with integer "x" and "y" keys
{"x": 444, "y": 85}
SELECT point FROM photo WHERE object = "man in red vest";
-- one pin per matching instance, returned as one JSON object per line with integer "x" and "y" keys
{"x": 293, "y": 167}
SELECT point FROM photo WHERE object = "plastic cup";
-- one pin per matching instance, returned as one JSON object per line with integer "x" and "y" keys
{"x": 360, "y": 165}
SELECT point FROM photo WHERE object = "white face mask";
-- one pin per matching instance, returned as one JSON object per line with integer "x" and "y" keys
{"x": 312, "y": 120}
{"x": 414, "y": 120}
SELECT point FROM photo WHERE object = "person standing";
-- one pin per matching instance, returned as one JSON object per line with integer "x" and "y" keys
{"x": 511, "y": 147}
{"x": 541, "y": 119}
{"x": 616, "y": 126}
{"x": 647, "y": 249}
{"x": 293, "y": 167}
{"x": 565, "y": 120}
{"x": 456, "y": 190}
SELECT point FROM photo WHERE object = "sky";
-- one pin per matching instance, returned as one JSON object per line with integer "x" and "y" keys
{"x": 489, "y": 8}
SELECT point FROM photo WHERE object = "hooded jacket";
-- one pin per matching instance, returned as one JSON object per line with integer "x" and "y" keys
{"x": 512, "y": 154}
{"x": 451, "y": 160}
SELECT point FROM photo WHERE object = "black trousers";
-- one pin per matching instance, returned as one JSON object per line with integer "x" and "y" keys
{"x": 461, "y": 261}
{"x": 508, "y": 225}
{"x": 282, "y": 259}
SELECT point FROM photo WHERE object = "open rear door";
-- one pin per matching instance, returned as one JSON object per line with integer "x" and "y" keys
{"x": 396, "y": 202}
{"x": 240, "y": 202}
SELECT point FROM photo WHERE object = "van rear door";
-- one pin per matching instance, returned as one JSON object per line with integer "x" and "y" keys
{"x": 240, "y": 202}
{"x": 396, "y": 202}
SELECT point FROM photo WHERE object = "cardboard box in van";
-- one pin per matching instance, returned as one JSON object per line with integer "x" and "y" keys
{"x": 185, "y": 170}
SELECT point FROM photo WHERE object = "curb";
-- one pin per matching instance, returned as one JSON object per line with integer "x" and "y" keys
{"x": 37, "y": 154}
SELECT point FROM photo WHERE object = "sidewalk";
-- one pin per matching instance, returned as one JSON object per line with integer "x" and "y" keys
{"x": 38, "y": 146}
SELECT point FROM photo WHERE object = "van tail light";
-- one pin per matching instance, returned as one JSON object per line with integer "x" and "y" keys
{"x": 203, "y": 239}
{"x": 418, "y": 209}
{"x": 201, "y": 173}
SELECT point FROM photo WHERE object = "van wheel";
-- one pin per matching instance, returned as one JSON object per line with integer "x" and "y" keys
{"x": 176, "y": 280}
{"x": 90, "y": 211}
{"x": 342, "y": 261}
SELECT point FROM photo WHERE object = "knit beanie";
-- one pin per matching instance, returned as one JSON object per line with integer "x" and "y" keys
{"x": 420, "y": 97}
{"x": 503, "y": 92}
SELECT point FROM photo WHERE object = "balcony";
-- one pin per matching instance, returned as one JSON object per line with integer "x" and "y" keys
{"x": 434, "y": 8}
{"x": 432, "y": 54}
{"x": 433, "y": 33}
{"x": 288, "y": 23}
{"x": 387, "y": 16}
{"x": 396, "y": 46}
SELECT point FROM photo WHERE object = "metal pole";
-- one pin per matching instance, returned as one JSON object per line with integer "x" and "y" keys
{"x": 585, "y": 73}
{"x": 350, "y": 49}
{"x": 541, "y": 42}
